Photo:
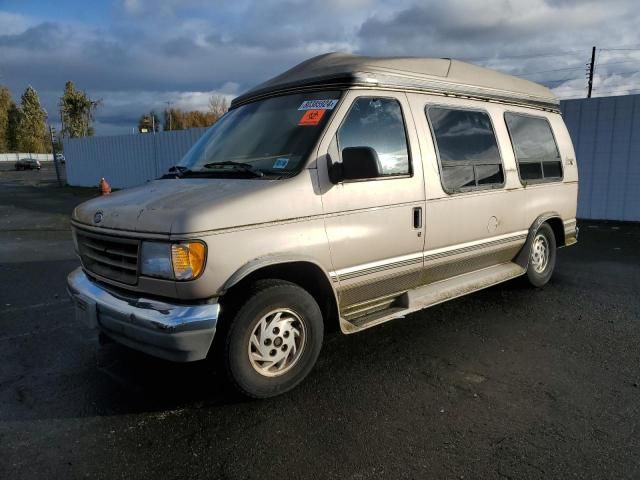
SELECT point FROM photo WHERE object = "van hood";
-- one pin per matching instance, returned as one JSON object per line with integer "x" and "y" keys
{"x": 191, "y": 205}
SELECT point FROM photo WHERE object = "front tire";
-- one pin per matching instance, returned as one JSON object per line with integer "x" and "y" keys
{"x": 542, "y": 256}
{"x": 273, "y": 340}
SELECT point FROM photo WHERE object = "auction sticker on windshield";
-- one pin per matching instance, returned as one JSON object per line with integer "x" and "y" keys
{"x": 328, "y": 104}
{"x": 311, "y": 117}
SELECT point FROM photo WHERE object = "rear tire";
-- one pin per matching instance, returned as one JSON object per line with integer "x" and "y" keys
{"x": 542, "y": 256}
{"x": 273, "y": 340}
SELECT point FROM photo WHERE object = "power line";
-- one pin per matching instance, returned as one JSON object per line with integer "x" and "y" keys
{"x": 617, "y": 89}
{"x": 621, "y": 46}
{"x": 548, "y": 71}
{"x": 630, "y": 48}
{"x": 602, "y": 94}
{"x": 620, "y": 49}
{"x": 539, "y": 55}
{"x": 617, "y": 63}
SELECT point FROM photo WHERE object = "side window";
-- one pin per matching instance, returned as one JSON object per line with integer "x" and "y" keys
{"x": 535, "y": 148}
{"x": 378, "y": 123}
{"x": 467, "y": 148}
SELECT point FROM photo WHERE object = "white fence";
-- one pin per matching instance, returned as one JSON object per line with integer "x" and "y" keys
{"x": 12, "y": 157}
{"x": 126, "y": 160}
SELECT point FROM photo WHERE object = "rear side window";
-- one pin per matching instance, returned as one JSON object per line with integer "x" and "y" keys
{"x": 535, "y": 148}
{"x": 378, "y": 123}
{"x": 467, "y": 149}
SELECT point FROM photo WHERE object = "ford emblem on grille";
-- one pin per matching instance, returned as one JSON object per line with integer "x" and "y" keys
{"x": 97, "y": 217}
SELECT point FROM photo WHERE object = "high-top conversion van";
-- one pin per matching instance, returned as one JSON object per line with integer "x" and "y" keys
{"x": 348, "y": 191}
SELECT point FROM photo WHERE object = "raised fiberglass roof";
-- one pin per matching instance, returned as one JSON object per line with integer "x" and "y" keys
{"x": 435, "y": 75}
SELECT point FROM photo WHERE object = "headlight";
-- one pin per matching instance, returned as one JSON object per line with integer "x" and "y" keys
{"x": 173, "y": 261}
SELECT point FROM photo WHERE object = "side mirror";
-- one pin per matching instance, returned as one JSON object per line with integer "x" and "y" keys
{"x": 358, "y": 163}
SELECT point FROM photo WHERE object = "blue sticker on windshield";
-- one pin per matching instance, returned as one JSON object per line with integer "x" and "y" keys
{"x": 280, "y": 162}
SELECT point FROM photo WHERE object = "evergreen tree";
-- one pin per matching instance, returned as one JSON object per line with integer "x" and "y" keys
{"x": 5, "y": 106}
{"x": 13, "y": 123}
{"x": 77, "y": 112}
{"x": 32, "y": 127}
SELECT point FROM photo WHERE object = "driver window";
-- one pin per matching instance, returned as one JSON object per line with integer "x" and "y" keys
{"x": 378, "y": 123}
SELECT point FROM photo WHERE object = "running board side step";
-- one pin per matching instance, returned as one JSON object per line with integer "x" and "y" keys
{"x": 434, "y": 293}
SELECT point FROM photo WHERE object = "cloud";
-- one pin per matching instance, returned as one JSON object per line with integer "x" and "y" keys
{"x": 12, "y": 23}
{"x": 161, "y": 7}
{"x": 545, "y": 41}
{"x": 120, "y": 111}
{"x": 149, "y": 52}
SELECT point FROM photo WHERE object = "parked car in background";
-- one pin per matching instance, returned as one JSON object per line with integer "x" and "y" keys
{"x": 346, "y": 192}
{"x": 60, "y": 158}
{"x": 27, "y": 164}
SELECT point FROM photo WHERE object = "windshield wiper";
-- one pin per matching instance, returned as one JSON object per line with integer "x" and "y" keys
{"x": 175, "y": 171}
{"x": 245, "y": 167}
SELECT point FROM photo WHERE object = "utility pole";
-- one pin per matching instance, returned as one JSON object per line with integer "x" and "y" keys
{"x": 591, "y": 66}
{"x": 170, "y": 114}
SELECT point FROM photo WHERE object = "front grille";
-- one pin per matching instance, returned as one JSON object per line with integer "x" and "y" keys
{"x": 114, "y": 258}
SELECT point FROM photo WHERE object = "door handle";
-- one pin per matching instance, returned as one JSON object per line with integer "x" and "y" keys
{"x": 417, "y": 217}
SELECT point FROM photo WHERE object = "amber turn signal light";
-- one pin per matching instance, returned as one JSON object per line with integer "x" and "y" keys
{"x": 188, "y": 259}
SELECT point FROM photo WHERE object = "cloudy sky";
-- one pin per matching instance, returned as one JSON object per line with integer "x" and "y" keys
{"x": 138, "y": 54}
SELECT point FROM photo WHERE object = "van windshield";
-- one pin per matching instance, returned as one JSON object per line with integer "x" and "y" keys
{"x": 261, "y": 139}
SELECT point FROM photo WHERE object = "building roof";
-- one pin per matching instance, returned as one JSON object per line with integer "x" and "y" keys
{"x": 434, "y": 75}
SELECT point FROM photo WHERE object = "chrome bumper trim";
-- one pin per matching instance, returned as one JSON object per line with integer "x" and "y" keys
{"x": 178, "y": 332}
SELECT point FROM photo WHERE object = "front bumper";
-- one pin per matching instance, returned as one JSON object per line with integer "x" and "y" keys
{"x": 176, "y": 332}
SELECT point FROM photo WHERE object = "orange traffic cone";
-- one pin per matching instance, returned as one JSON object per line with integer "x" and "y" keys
{"x": 104, "y": 189}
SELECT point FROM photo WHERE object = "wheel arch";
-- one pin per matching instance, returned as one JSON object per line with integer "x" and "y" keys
{"x": 555, "y": 222}
{"x": 302, "y": 271}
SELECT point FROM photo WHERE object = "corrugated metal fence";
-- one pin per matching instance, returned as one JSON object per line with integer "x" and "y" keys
{"x": 605, "y": 133}
{"x": 126, "y": 160}
{"x": 606, "y": 136}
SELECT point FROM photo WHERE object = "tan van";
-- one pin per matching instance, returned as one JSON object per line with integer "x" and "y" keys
{"x": 348, "y": 191}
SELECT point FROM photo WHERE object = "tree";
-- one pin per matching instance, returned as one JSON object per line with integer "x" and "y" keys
{"x": 77, "y": 112}
{"x": 13, "y": 124}
{"x": 148, "y": 122}
{"x": 172, "y": 120}
{"x": 5, "y": 106}
{"x": 218, "y": 106}
{"x": 181, "y": 120}
{"x": 32, "y": 131}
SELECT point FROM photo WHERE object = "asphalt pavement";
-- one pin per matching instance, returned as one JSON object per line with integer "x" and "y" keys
{"x": 507, "y": 383}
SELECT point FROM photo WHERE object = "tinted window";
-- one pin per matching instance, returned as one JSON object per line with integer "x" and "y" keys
{"x": 534, "y": 146}
{"x": 467, "y": 147}
{"x": 530, "y": 171}
{"x": 552, "y": 169}
{"x": 378, "y": 123}
{"x": 489, "y": 174}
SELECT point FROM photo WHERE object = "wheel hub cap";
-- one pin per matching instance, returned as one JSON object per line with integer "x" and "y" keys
{"x": 539, "y": 253}
{"x": 276, "y": 342}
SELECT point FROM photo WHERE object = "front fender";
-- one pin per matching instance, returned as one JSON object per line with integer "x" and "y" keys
{"x": 271, "y": 261}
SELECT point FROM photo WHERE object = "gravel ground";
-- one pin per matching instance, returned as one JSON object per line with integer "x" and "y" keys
{"x": 510, "y": 382}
